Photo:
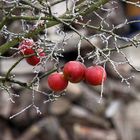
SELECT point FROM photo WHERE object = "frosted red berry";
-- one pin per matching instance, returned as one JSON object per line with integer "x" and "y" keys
{"x": 74, "y": 71}
{"x": 27, "y": 47}
{"x": 33, "y": 60}
{"x": 26, "y": 43}
{"x": 57, "y": 82}
{"x": 95, "y": 75}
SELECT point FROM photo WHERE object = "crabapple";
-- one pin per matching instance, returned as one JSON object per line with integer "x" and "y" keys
{"x": 33, "y": 60}
{"x": 95, "y": 75}
{"x": 27, "y": 47}
{"x": 26, "y": 43}
{"x": 74, "y": 71}
{"x": 57, "y": 82}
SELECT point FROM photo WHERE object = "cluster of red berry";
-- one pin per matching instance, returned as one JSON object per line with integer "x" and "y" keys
{"x": 28, "y": 47}
{"x": 73, "y": 71}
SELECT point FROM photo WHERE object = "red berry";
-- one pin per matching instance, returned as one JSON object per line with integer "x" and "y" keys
{"x": 33, "y": 60}
{"x": 28, "y": 51}
{"x": 57, "y": 82}
{"x": 74, "y": 71}
{"x": 27, "y": 48}
{"x": 27, "y": 43}
{"x": 95, "y": 75}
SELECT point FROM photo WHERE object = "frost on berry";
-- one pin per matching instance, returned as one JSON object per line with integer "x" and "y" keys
{"x": 26, "y": 44}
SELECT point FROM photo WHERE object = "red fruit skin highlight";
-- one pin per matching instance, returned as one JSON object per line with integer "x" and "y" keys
{"x": 57, "y": 82}
{"x": 95, "y": 75}
{"x": 74, "y": 71}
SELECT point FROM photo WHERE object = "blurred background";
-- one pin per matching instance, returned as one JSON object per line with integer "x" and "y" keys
{"x": 78, "y": 115}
